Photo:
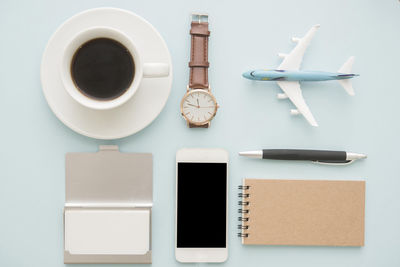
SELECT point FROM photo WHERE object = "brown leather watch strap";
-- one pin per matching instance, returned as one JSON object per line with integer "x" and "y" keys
{"x": 199, "y": 55}
{"x": 191, "y": 125}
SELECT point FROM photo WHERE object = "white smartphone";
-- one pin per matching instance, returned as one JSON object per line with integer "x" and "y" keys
{"x": 201, "y": 205}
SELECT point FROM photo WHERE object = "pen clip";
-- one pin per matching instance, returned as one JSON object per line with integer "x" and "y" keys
{"x": 333, "y": 162}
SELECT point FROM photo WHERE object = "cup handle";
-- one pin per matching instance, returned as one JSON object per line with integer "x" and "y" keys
{"x": 154, "y": 70}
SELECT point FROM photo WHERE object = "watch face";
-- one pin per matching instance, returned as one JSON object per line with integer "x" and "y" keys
{"x": 198, "y": 106}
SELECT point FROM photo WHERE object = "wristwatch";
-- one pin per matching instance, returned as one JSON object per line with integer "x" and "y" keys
{"x": 198, "y": 105}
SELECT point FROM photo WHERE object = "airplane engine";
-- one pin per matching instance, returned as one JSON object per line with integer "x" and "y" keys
{"x": 282, "y": 55}
{"x": 281, "y": 96}
{"x": 294, "y": 112}
{"x": 295, "y": 39}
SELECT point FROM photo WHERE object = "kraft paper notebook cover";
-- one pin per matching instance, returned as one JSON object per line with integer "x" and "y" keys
{"x": 299, "y": 212}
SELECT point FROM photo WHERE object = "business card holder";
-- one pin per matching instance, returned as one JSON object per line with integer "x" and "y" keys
{"x": 108, "y": 202}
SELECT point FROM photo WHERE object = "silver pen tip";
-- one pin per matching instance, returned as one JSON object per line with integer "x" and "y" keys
{"x": 251, "y": 154}
{"x": 354, "y": 156}
{"x": 360, "y": 156}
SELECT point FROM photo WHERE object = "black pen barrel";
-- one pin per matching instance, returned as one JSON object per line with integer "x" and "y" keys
{"x": 299, "y": 154}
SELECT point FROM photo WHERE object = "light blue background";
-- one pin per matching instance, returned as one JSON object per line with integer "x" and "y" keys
{"x": 245, "y": 35}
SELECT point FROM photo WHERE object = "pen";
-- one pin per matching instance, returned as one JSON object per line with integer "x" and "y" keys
{"x": 321, "y": 156}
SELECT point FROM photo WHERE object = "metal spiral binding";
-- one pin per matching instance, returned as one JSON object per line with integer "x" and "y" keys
{"x": 245, "y": 195}
{"x": 243, "y": 187}
{"x": 244, "y": 203}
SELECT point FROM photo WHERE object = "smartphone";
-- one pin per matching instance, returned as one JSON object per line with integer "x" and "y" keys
{"x": 201, "y": 205}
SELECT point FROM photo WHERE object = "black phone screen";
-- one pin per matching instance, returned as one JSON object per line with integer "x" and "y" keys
{"x": 201, "y": 205}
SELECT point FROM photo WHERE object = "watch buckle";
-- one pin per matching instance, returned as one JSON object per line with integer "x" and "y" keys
{"x": 197, "y": 17}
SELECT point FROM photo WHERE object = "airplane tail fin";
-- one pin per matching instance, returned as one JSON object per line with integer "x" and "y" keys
{"x": 346, "y": 69}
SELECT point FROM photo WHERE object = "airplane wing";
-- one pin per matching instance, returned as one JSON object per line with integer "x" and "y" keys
{"x": 293, "y": 91}
{"x": 293, "y": 60}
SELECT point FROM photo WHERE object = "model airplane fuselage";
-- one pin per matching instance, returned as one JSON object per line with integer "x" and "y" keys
{"x": 288, "y": 76}
{"x": 293, "y": 75}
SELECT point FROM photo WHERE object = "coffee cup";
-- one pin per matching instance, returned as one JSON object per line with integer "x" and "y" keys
{"x": 102, "y": 68}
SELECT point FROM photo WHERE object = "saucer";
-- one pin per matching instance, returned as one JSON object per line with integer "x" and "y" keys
{"x": 129, "y": 118}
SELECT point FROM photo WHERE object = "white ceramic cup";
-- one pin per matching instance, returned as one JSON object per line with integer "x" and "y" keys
{"x": 142, "y": 70}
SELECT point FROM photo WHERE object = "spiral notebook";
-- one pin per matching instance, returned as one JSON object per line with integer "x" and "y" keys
{"x": 299, "y": 212}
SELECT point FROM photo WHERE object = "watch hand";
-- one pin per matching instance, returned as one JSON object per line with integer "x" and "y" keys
{"x": 208, "y": 107}
{"x": 192, "y": 105}
{"x": 198, "y": 105}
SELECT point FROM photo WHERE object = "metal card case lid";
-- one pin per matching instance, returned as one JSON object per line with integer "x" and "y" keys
{"x": 109, "y": 178}
{"x": 109, "y": 184}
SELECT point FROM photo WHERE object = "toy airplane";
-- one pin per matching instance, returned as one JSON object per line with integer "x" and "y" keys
{"x": 288, "y": 76}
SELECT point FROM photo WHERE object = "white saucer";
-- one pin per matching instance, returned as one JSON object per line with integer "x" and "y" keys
{"x": 135, "y": 114}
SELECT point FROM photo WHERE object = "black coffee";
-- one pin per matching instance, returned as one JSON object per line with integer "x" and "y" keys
{"x": 102, "y": 68}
